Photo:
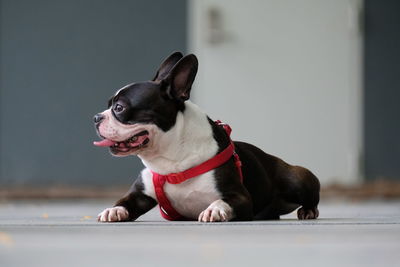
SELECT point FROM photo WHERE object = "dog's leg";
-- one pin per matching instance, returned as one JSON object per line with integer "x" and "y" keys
{"x": 303, "y": 190}
{"x": 309, "y": 198}
{"x": 130, "y": 207}
{"x": 114, "y": 214}
{"x": 218, "y": 211}
{"x": 231, "y": 207}
{"x": 305, "y": 213}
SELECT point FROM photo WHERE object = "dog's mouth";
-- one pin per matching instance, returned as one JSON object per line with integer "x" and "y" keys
{"x": 135, "y": 142}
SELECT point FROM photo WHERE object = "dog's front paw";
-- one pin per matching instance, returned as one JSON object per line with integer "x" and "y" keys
{"x": 115, "y": 214}
{"x": 218, "y": 211}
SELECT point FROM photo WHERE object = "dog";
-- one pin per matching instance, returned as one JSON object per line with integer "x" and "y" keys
{"x": 179, "y": 146}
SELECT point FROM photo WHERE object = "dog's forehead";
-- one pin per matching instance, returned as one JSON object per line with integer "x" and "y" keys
{"x": 123, "y": 88}
{"x": 139, "y": 90}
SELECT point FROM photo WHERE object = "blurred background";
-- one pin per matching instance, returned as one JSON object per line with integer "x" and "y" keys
{"x": 315, "y": 82}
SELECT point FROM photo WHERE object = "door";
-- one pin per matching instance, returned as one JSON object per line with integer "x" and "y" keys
{"x": 286, "y": 76}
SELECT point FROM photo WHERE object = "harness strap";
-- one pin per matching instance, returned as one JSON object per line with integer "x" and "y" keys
{"x": 238, "y": 163}
{"x": 166, "y": 209}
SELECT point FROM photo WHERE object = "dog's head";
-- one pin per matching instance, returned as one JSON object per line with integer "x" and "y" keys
{"x": 140, "y": 113}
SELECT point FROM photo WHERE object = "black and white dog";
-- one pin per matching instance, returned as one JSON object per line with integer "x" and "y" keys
{"x": 156, "y": 121}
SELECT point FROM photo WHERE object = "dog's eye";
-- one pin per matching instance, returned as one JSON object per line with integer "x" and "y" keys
{"x": 118, "y": 108}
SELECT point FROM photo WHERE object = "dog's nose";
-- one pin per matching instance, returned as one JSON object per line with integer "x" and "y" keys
{"x": 98, "y": 118}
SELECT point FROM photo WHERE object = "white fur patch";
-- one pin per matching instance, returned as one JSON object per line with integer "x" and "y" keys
{"x": 193, "y": 196}
{"x": 147, "y": 179}
{"x": 189, "y": 143}
{"x": 188, "y": 198}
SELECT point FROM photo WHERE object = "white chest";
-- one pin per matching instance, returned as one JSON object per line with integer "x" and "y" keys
{"x": 189, "y": 198}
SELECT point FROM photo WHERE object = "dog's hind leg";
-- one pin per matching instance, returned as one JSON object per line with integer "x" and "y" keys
{"x": 302, "y": 188}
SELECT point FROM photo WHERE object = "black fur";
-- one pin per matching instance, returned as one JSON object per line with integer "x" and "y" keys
{"x": 158, "y": 101}
{"x": 146, "y": 102}
{"x": 271, "y": 187}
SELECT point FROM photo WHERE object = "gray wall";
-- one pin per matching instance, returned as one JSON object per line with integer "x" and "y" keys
{"x": 382, "y": 89}
{"x": 59, "y": 63}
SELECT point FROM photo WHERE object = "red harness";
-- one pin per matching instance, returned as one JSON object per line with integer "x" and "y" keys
{"x": 166, "y": 209}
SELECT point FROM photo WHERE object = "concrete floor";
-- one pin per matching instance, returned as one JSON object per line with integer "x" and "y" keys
{"x": 66, "y": 233}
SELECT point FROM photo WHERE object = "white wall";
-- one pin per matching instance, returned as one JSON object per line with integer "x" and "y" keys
{"x": 286, "y": 76}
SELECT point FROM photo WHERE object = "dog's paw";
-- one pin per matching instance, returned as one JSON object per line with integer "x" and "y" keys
{"x": 307, "y": 214}
{"x": 218, "y": 211}
{"x": 115, "y": 214}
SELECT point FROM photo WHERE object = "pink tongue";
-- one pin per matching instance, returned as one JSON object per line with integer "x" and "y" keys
{"x": 104, "y": 142}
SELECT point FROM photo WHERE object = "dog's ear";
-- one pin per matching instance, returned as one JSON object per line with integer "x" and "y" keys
{"x": 181, "y": 77}
{"x": 167, "y": 65}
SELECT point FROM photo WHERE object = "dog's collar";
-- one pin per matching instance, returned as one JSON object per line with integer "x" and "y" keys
{"x": 167, "y": 211}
